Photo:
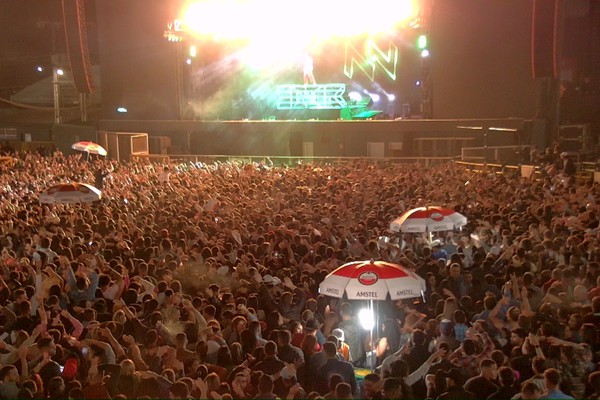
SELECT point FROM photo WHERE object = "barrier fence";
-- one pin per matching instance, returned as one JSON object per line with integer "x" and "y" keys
{"x": 287, "y": 160}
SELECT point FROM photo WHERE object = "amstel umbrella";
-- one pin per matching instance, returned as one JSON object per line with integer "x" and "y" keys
{"x": 69, "y": 193}
{"x": 428, "y": 219}
{"x": 372, "y": 280}
{"x": 90, "y": 148}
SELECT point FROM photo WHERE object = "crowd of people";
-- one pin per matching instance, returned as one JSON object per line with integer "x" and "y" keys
{"x": 200, "y": 280}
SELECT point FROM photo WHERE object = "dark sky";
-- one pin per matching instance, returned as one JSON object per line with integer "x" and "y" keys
{"x": 30, "y": 32}
{"x": 26, "y": 31}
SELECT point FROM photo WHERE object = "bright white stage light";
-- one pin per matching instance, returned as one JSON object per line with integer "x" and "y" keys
{"x": 366, "y": 318}
{"x": 60, "y": 72}
{"x": 39, "y": 68}
{"x": 355, "y": 96}
{"x": 425, "y": 53}
{"x": 375, "y": 97}
{"x": 391, "y": 97}
{"x": 121, "y": 109}
{"x": 248, "y": 21}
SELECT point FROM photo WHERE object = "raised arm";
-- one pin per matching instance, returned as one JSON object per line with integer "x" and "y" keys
{"x": 420, "y": 372}
{"x": 535, "y": 342}
{"x": 77, "y": 325}
{"x": 135, "y": 354}
{"x": 71, "y": 280}
{"x": 23, "y": 350}
{"x": 525, "y": 305}
{"x": 106, "y": 347}
{"x": 91, "y": 290}
{"x": 117, "y": 348}
{"x": 497, "y": 322}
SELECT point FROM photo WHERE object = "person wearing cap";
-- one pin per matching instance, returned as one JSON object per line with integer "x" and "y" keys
{"x": 437, "y": 251}
{"x": 568, "y": 169}
{"x": 311, "y": 327}
{"x": 70, "y": 368}
{"x": 447, "y": 335}
{"x": 343, "y": 348}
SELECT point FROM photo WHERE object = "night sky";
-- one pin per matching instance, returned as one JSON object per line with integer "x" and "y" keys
{"x": 30, "y": 32}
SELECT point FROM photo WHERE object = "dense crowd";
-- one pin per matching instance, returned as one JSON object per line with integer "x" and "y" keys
{"x": 201, "y": 281}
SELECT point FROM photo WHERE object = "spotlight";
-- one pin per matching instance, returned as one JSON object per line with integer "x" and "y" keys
{"x": 193, "y": 51}
{"x": 121, "y": 110}
{"x": 39, "y": 68}
{"x": 391, "y": 97}
{"x": 425, "y": 53}
{"x": 60, "y": 72}
{"x": 355, "y": 96}
{"x": 422, "y": 42}
{"x": 375, "y": 97}
{"x": 366, "y": 318}
{"x": 418, "y": 83}
{"x": 188, "y": 61}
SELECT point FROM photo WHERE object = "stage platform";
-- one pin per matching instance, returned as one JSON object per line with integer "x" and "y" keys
{"x": 370, "y": 138}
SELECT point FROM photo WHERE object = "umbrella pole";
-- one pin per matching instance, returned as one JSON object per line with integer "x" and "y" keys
{"x": 376, "y": 319}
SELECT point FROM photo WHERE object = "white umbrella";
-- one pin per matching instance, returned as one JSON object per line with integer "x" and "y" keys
{"x": 372, "y": 280}
{"x": 69, "y": 193}
{"x": 428, "y": 219}
{"x": 90, "y": 148}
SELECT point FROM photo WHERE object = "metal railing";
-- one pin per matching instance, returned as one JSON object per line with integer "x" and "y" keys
{"x": 284, "y": 160}
{"x": 488, "y": 167}
{"x": 496, "y": 154}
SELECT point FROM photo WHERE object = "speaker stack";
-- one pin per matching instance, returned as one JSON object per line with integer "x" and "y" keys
{"x": 77, "y": 44}
{"x": 545, "y": 38}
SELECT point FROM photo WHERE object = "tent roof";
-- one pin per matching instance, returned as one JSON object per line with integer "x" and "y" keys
{"x": 41, "y": 93}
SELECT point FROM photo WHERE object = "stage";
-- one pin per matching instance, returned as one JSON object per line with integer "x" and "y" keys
{"x": 372, "y": 138}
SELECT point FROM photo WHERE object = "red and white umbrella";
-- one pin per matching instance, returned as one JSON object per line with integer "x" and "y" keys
{"x": 372, "y": 280}
{"x": 428, "y": 219}
{"x": 69, "y": 193}
{"x": 90, "y": 148}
